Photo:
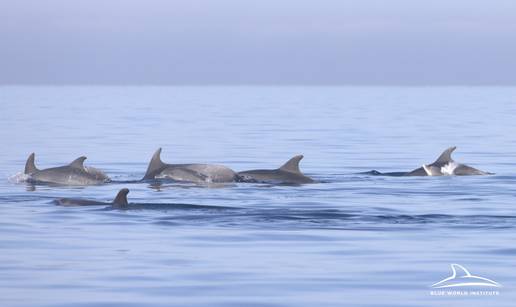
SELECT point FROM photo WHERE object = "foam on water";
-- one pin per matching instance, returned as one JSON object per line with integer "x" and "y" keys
{"x": 449, "y": 168}
{"x": 97, "y": 173}
{"x": 18, "y": 178}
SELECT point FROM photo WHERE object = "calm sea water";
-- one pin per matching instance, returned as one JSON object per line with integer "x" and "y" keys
{"x": 349, "y": 240}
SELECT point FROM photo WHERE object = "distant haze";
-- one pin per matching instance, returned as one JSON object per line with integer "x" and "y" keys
{"x": 395, "y": 42}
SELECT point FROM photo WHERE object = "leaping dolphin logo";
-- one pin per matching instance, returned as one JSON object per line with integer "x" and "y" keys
{"x": 463, "y": 278}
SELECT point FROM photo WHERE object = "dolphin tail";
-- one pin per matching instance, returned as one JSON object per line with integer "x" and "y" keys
{"x": 78, "y": 163}
{"x": 30, "y": 165}
{"x": 445, "y": 157}
{"x": 292, "y": 165}
{"x": 155, "y": 165}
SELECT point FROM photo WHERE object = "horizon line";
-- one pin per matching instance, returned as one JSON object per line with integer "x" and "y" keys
{"x": 263, "y": 84}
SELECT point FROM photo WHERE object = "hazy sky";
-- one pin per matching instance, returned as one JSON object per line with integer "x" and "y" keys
{"x": 258, "y": 42}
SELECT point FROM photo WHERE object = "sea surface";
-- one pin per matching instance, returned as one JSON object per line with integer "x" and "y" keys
{"x": 350, "y": 239}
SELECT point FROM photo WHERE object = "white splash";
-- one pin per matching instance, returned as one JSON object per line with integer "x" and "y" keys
{"x": 18, "y": 178}
{"x": 97, "y": 173}
{"x": 449, "y": 169}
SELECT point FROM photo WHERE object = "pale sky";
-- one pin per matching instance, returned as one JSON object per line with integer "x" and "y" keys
{"x": 383, "y": 42}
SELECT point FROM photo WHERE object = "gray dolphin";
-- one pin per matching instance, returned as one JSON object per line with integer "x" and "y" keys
{"x": 120, "y": 201}
{"x": 74, "y": 173}
{"x": 288, "y": 173}
{"x": 445, "y": 165}
{"x": 197, "y": 173}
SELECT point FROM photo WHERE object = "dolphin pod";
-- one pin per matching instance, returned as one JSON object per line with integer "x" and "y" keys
{"x": 212, "y": 173}
{"x": 76, "y": 173}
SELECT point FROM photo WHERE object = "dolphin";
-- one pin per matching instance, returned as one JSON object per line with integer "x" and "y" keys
{"x": 119, "y": 202}
{"x": 462, "y": 278}
{"x": 74, "y": 173}
{"x": 196, "y": 173}
{"x": 288, "y": 173}
{"x": 443, "y": 166}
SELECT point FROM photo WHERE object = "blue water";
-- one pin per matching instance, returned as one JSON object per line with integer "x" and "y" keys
{"x": 349, "y": 240}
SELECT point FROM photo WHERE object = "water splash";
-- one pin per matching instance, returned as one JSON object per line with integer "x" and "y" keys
{"x": 100, "y": 175}
{"x": 449, "y": 168}
{"x": 18, "y": 178}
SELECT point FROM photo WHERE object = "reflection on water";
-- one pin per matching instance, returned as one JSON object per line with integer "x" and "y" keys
{"x": 350, "y": 239}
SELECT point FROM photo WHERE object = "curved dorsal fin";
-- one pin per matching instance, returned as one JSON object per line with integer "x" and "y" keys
{"x": 292, "y": 165}
{"x": 78, "y": 163}
{"x": 121, "y": 198}
{"x": 445, "y": 157}
{"x": 30, "y": 165}
{"x": 155, "y": 165}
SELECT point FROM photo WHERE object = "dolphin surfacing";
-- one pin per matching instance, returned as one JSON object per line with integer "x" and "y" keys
{"x": 446, "y": 166}
{"x": 74, "y": 173}
{"x": 196, "y": 173}
{"x": 119, "y": 202}
{"x": 443, "y": 166}
{"x": 288, "y": 173}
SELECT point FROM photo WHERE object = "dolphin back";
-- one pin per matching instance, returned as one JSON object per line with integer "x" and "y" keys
{"x": 288, "y": 173}
{"x": 74, "y": 173}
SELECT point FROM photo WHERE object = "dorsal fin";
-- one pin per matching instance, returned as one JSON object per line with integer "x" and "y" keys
{"x": 30, "y": 165}
{"x": 292, "y": 165}
{"x": 121, "y": 198}
{"x": 445, "y": 157}
{"x": 78, "y": 163}
{"x": 155, "y": 165}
